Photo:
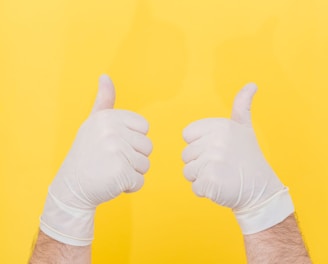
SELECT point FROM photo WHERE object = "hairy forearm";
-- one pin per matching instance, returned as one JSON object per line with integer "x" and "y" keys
{"x": 50, "y": 251}
{"x": 281, "y": 244}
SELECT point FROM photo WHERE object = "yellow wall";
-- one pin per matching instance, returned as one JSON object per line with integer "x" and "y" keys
{"x": 173, "y": 62}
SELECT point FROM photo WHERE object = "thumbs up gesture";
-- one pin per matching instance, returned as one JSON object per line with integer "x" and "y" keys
{"x": 108, "y": 157}
{"x": 225, "y": 164}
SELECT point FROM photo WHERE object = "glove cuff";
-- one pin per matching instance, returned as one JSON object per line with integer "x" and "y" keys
{"x": 65, "y": 224}
{"x": 269, "y": 213}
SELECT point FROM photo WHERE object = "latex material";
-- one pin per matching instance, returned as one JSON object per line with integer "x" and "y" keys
{"x": 108, "y": 157}
{"x": 226, "y": 165}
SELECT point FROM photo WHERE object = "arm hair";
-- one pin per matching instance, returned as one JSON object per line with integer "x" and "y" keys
{"x": 50, "y": 251}
{"x": 279, "y": 244}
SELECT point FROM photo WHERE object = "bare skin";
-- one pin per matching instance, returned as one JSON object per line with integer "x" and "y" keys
{"x": 281, "y": 244}
{"x": 50, "y": 251}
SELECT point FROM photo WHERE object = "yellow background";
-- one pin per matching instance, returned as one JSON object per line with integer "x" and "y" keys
{"x": 173, "y": 62}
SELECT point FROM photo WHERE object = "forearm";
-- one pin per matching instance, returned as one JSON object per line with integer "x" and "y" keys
{"x": 50, "y": 251}
{"x": 281, "y": 243}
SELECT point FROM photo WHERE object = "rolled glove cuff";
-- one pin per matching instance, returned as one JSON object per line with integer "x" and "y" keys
{"x": 65, "y": 224}
{"x": 269, "y": 213}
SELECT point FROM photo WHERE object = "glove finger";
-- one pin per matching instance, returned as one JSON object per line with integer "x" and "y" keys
{"x": 193, "y": 151}
{"x": 138, "y": 142}
{"x": 199, "y": 187}
{"x": 202, "y": 127}
{"x": 198, "y": 168}
{"x": 241, "y": 111}
{"x": 191, "y": 170}
{"x": 136, "y": 182}
{"x": 134, "y": 121}
{"x": 136, "y": 160}
{"x": 140, "y": 162}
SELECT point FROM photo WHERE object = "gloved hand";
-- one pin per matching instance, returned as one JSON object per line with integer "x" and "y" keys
{"x": 226, "y": 165}
{"x": 108, "y": 157}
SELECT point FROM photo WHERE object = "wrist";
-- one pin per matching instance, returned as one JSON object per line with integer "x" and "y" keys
{"x": 72, "y": 226}
{"x": 267, "y": 214}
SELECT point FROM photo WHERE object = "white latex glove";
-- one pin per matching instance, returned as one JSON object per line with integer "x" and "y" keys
{"x": 108, "y": 157}
{"x": 226, "y": 165}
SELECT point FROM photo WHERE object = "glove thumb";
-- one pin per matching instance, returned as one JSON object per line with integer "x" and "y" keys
{"x": 106, "y": 94}
{"x": 241, "y": 111}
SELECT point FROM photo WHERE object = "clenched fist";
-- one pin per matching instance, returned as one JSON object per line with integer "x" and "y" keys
{"x": 109, "y": 156}
{"x": 225, "y": 164}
